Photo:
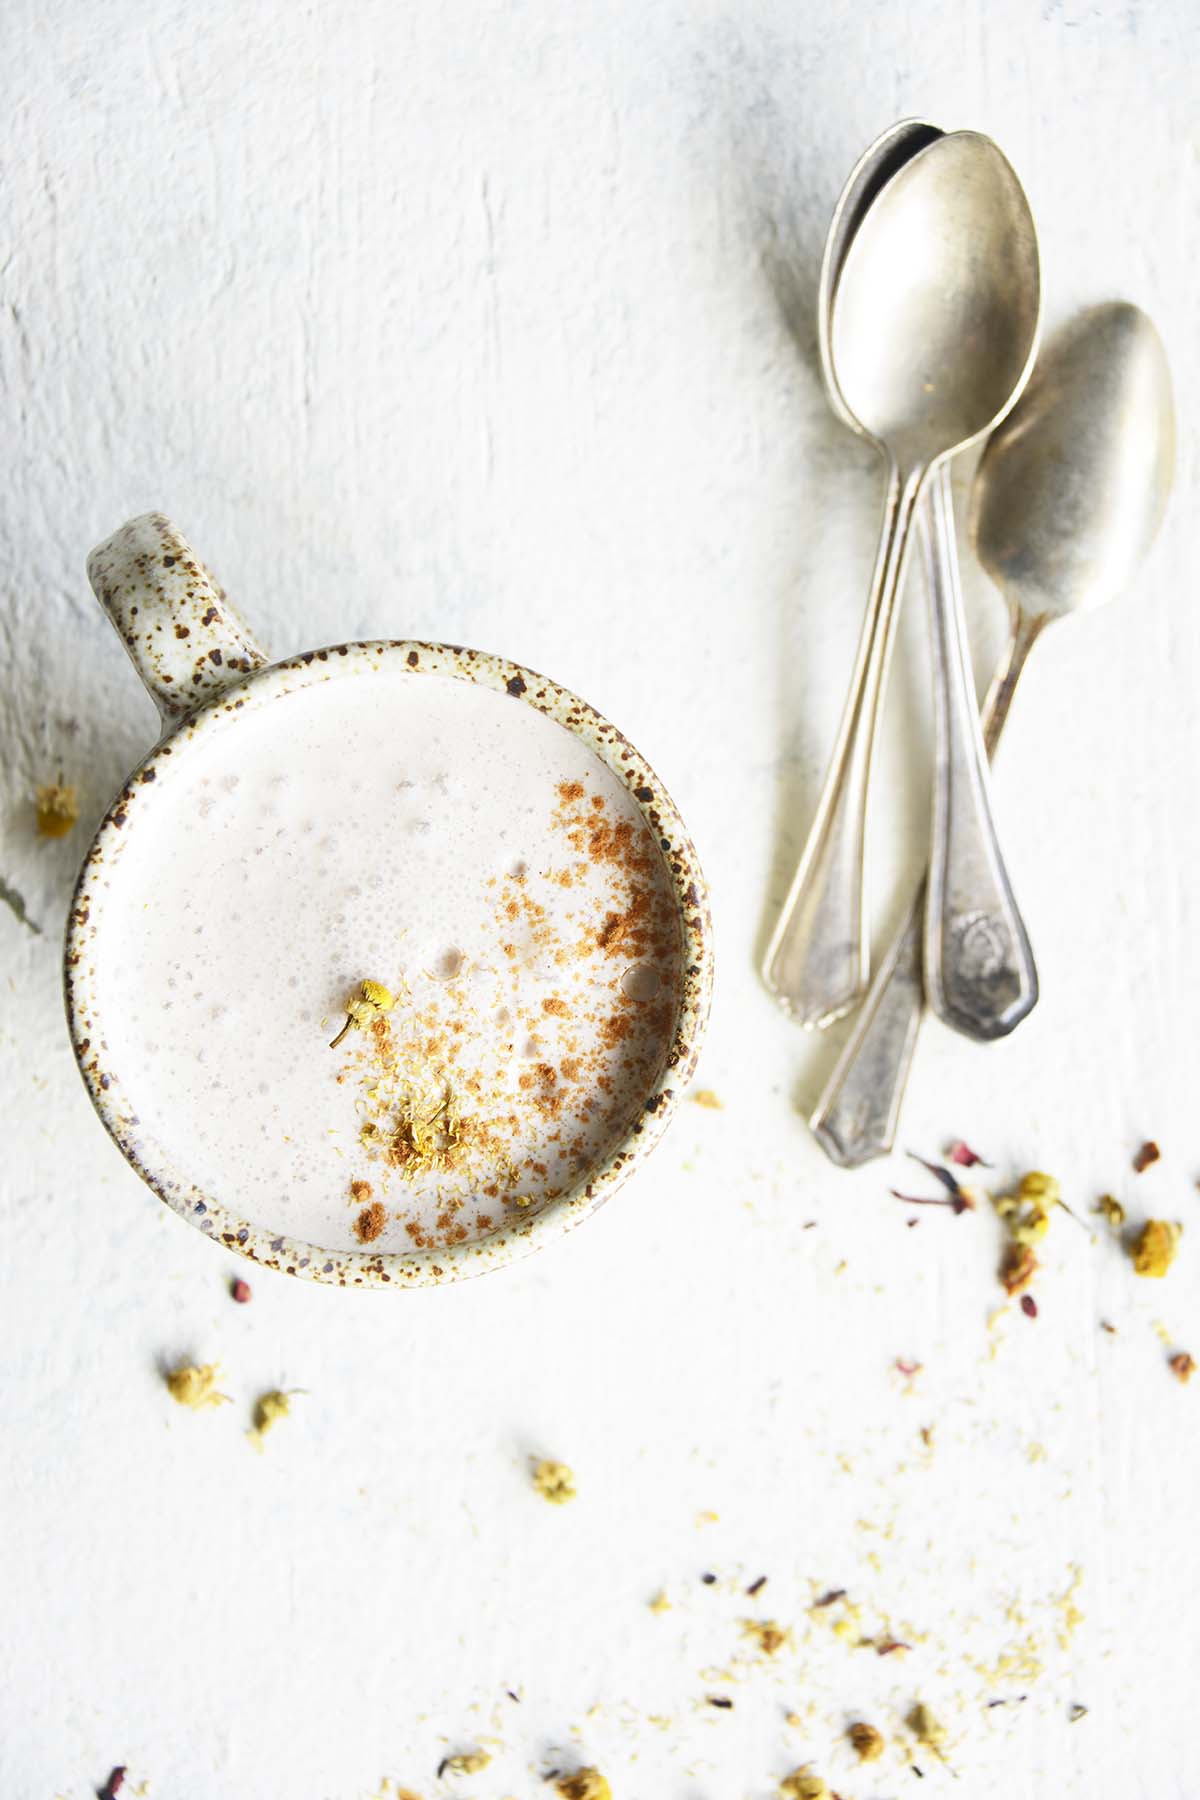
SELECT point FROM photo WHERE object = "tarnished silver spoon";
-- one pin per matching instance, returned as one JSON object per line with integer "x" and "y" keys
{"x": 1068, "y": 498}
{"x": 933, "y": 329}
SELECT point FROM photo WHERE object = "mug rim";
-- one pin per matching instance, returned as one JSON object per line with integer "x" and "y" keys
{"x": 443, "y": 1264}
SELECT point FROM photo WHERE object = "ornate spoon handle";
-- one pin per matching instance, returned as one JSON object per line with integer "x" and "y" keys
{"x": 856, "y": 1116}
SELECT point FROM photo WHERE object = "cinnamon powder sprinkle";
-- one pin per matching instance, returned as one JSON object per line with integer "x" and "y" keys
{"x": 370, "y": 1222}
{"x": 467, "y": 1095}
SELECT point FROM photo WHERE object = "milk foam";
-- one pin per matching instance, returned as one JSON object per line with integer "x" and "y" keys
{"x": 446, "y": 840}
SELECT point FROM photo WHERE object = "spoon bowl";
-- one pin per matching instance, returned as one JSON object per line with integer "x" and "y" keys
{"x": 951, "y": 243}
{"x": 1072, "y": 488}
{"x": 864, "y": 184}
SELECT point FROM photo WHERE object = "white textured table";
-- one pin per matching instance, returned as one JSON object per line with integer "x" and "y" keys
{"x": 495, "y": 324}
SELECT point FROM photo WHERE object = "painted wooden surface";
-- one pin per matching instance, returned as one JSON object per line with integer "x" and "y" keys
{"x": 494, "y": 324}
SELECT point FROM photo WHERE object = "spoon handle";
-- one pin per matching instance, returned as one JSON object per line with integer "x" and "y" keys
{"x": 980, "y": 975}
{"x": 817, "y": 962}
{"x": 856, "y": 1117}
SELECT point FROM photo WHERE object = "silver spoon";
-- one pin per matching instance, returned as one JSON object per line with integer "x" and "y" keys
{"x": 933, "y": 332}
{"x": 1068, "y": 498}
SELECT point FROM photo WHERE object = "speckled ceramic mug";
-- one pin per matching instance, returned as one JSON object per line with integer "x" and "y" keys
{"x": 175, "y": 917}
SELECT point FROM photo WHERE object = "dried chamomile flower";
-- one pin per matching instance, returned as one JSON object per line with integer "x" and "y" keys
{"x": 469, "y": 1762}
{"x": 583, "y": 1784}
{"x": 1018, "y": 1268}
{"x": 365, "y": 1006}
{"x": 1039, "y": 1190}
{"x": 57, "y": 809}
{"x": 554, "y": 1481}
{"x": 867, "y": 1741}
{"x": 1154, "y": 1249}
{"x": 1182, "y": 1365}
{"x": 802, "y": 1784}
{"x": 196, "y": 1387}
{"x": 1111, "y": 1210}
{"x": 268, "y": 1409}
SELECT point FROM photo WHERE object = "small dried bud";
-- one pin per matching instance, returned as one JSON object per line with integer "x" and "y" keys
{"x": 583, "y": 1784}
{"x": 867, "y": 1741}
{"x": 57, "y": 809}
{"x": 1155, "y": 1247}
{"x": 555, "y": 1482}
{"x": 196, "y": 1387}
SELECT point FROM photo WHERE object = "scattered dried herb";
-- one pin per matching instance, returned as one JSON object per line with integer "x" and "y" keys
{"x": 1105, "y": 1326}
{"x": 908, "y": 1369}
{"x": 827, "y": 1599}
{"x": 269, "y": 1408}
{"x": 196, "y": 1386}
{"x": 1182, "y": 1366}
{"x": 554, "y": 1481}
{"x": 708, "y": 1578}
{"x": 947, "y": 1178}
{"x": 720, "y": 1700}
{"x": 241, "y": 1291}
{"x": 925, "y": 1728}
{"x": 802, "y": 1784}
{"x": 756, "y": 1587}
{"x": 57, "y": 809}
{"x": 769, "y": 1636}
{"x": 369, "y": 1003}
{"x": 706, "y": 1097}
{"x": 1155, "y": 1247}
{"x": 1013, "y": 1700}
{"x": 468, "y": 1762}
{"x": 660, "y": 1603}
{"x": 964, "y": 1156}
{"x": 889, "y": 1645}
{"x": 866, "y": 1741}
{"x": 1149, "y": 1153}
{"x": 1029, "y": 1306}
{"x": 958, "y": 1204}
{"x": 114, "y": 1784}
{"x": 1111, "y": 1210}
{"x": 1078, "y": 1711}
{"x": 1017, "y": 1268}
{"x": 583, "y": 1784}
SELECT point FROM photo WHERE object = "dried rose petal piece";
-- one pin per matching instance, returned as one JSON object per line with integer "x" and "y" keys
{"x": 1149, "y": 1153}
{"x": 964, "y": 1156}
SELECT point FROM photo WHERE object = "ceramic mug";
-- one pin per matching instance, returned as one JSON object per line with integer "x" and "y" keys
{"x": 225, "y": 707}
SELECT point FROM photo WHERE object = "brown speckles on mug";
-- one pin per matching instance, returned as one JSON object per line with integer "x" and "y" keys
{"x": 150, "y": 582}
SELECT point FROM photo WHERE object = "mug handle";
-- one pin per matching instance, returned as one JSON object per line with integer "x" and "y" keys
{"x": 184, "y": 639}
